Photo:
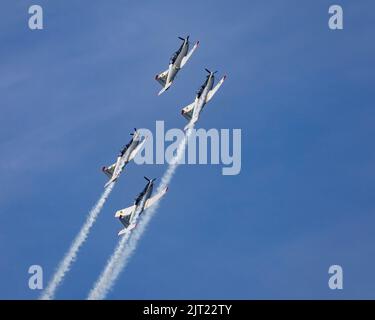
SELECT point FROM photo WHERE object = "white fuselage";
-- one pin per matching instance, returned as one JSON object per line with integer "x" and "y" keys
{"x": 175, "y": 66}
{"x": 201, "y": 100}
{"x": 141, "y": 202}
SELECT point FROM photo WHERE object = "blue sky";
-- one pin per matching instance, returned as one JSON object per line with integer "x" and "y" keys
{"x": 302, "y": 94}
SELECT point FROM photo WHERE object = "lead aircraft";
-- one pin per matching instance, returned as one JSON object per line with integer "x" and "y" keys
{"x": 177, "y": 61}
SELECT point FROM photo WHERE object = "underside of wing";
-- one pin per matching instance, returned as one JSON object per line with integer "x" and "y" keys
{"x": 151, "y": 201}
{"x": 125, "y": 212}
{"x": 109, "y": 170}
{"x": 187, "y": 111}
{"x": 125, "y": 220}
{"x": 162, "y": 77}
{"x": 214, "y": 90}
{"x": 187, "y": 57}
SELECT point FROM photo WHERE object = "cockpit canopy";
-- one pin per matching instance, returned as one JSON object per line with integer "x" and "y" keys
{"x": 140, "y": 196}
{"x": 174, "y": 57}
{"x": 122, "y": 152}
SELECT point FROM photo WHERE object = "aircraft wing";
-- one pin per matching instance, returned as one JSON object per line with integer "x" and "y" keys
{"x": 214, "y": 90}
{"x": 187, "y": 57}
{"x": 162, "y": 77}
{"x": 187, "y": 111}
{"x": 125, "y": 212}
{"x": 151, "y": 201}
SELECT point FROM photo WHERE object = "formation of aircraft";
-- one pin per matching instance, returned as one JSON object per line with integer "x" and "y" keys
{"x": 177, "y": 61}
{"x": 126, "y": 154}
{"x": 129, "y": 216}
{"x": 204, "y": 95}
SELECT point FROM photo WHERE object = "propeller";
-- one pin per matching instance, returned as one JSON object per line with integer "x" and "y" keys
{"x": 135, "y": 130}
{"x": 209, "y": 71}
{"x": 181, "y": 38}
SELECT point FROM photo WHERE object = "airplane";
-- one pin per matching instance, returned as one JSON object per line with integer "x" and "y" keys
{"x": 129, "y": 216}
{"x": 177, "y": 61}
{"x": 126, "y": 154}
{"x": 204, "y": 95}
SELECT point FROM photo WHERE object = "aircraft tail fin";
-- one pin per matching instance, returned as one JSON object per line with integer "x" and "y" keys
{"x": 166, "y": 87}
{"x": 128, "y": 229}
{"x": 109, "y": 182}
{"x": 123, "y": 231}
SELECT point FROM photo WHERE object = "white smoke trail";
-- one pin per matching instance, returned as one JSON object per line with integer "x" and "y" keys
{"x": 71, "y": 255}
{"x": 123, "y": 253}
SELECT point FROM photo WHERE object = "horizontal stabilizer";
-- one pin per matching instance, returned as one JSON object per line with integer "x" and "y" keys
{"x": 108, "y": 171}
{"x": 162, "y": 77}
{"x": 125, "y": 212}
{"x": 187, "y": 111}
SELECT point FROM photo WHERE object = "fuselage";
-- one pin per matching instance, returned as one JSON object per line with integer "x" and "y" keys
{"x": 175, "y": 61}
{"x": 201, "y": 97}
{"x": 123, "y": 157}
{"x": 139, "y": 204}
{"x": 130, "y": 147}
{"x": 140, "y": 201}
